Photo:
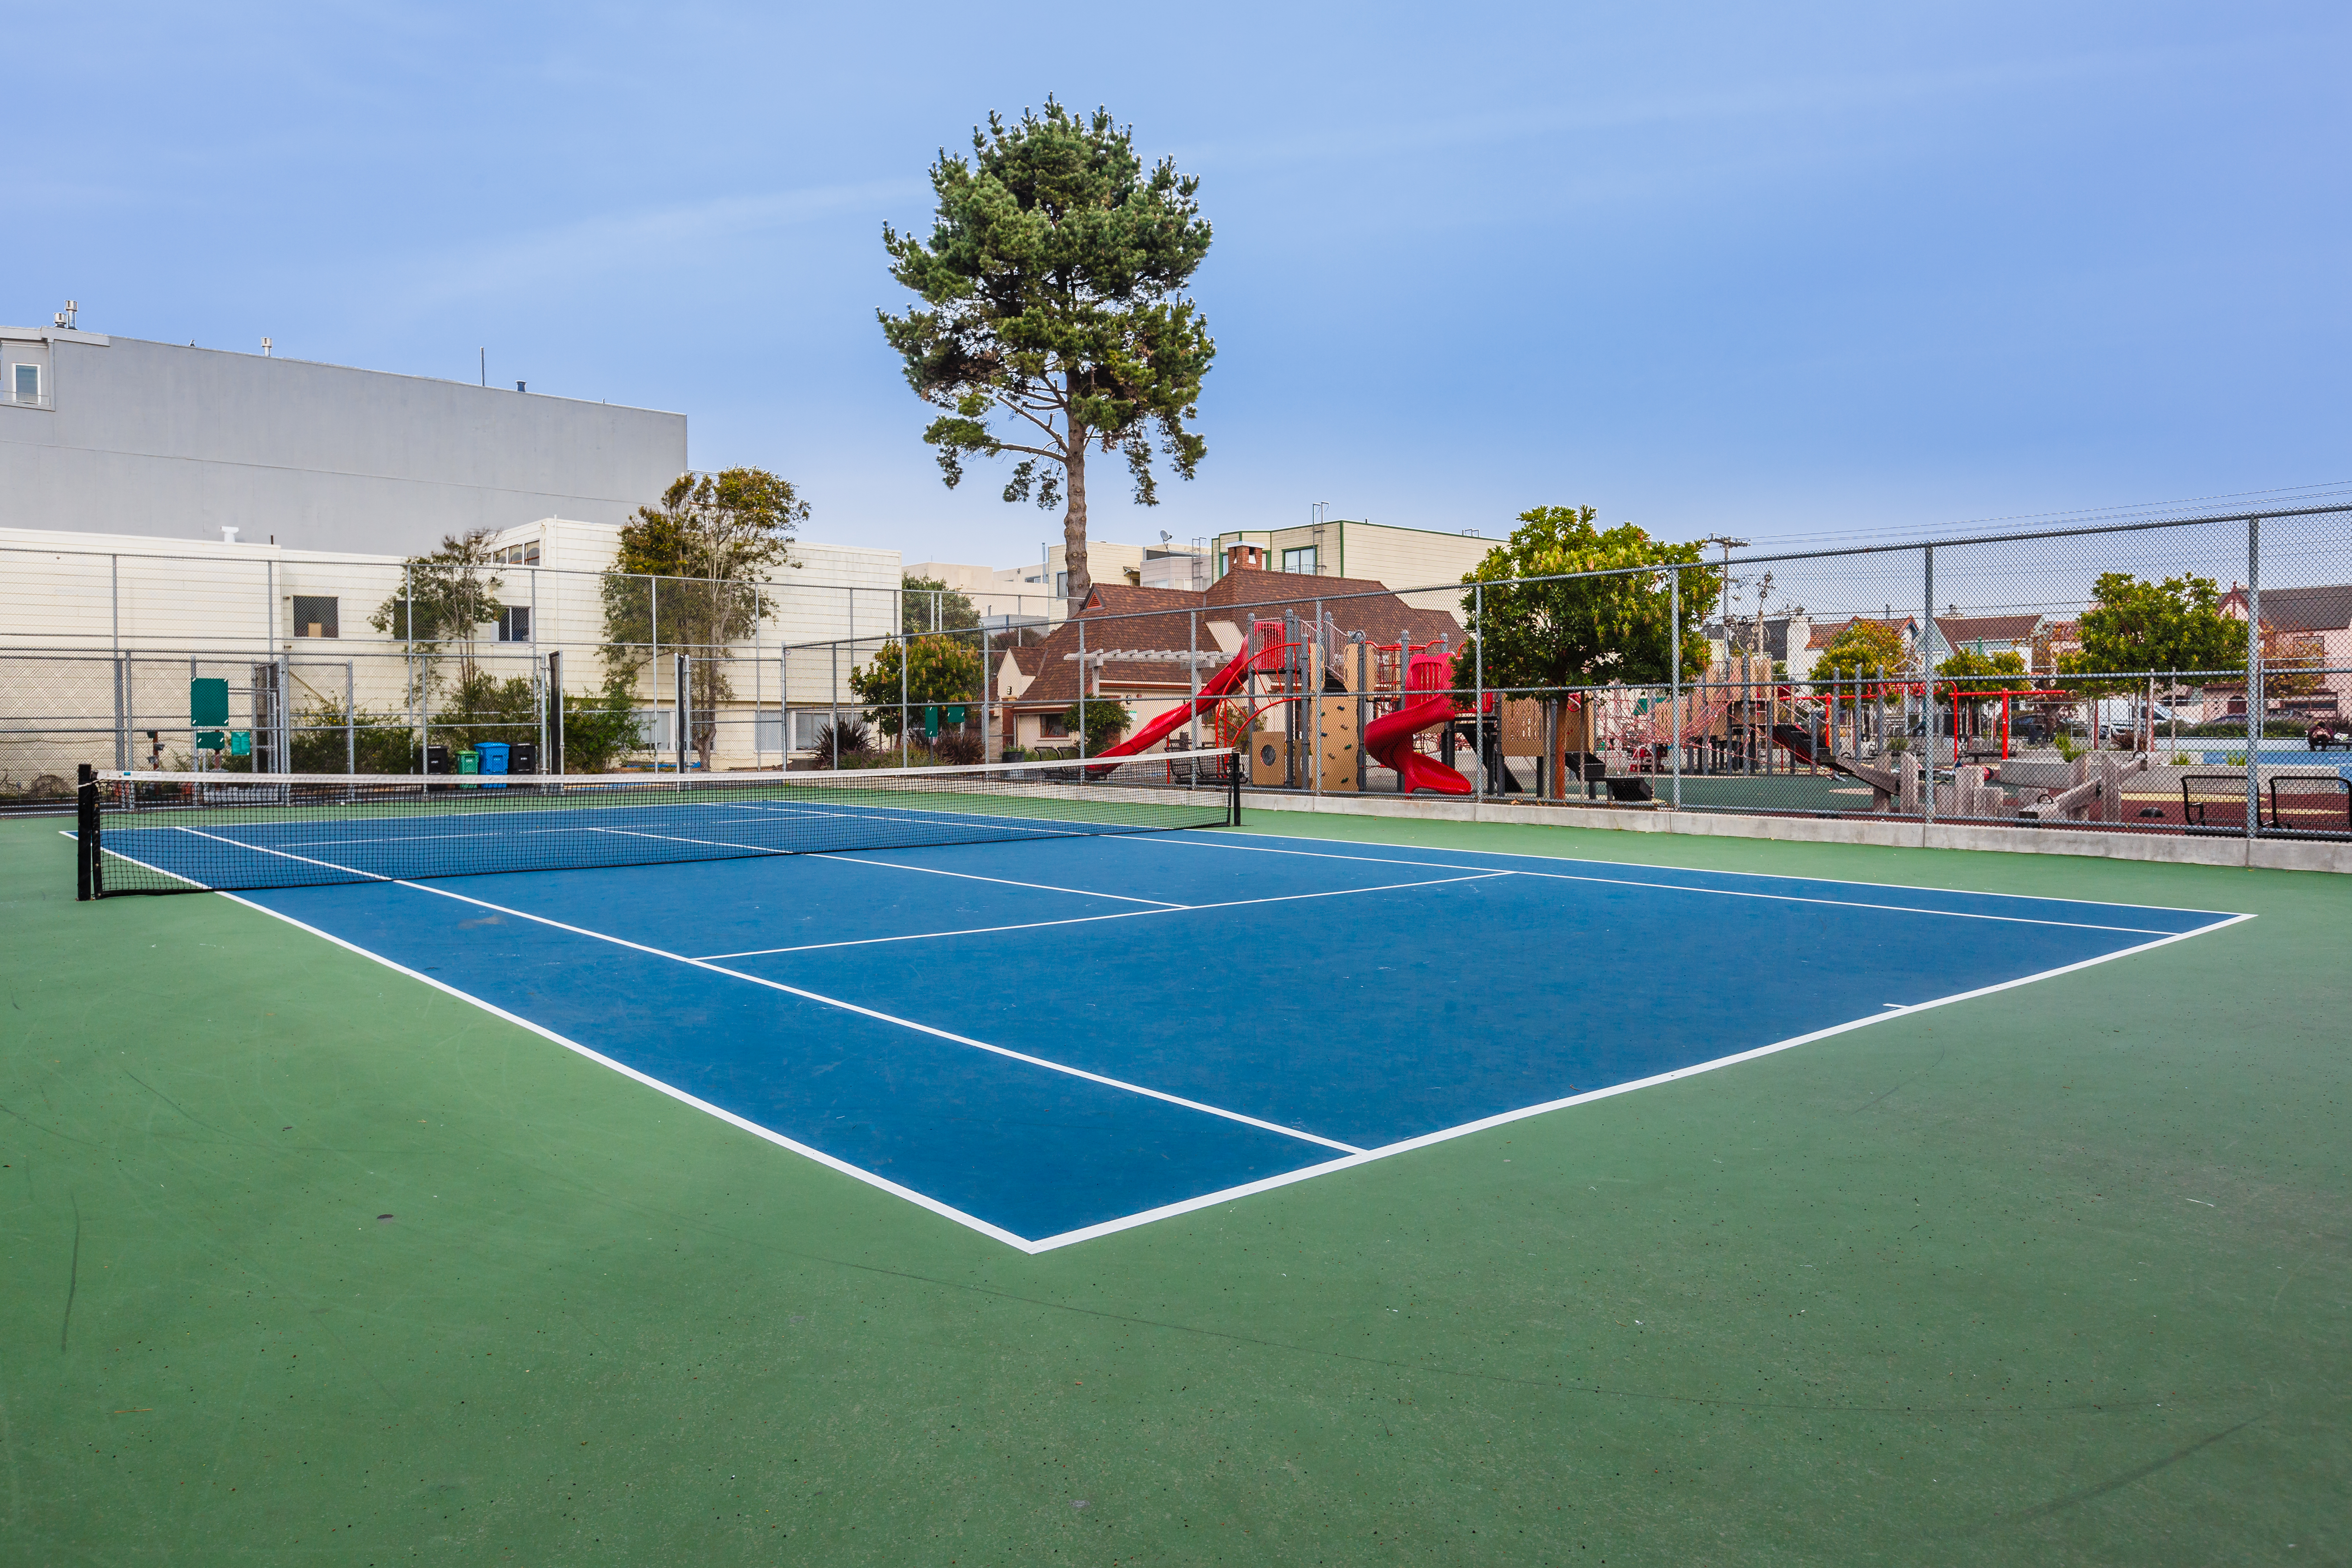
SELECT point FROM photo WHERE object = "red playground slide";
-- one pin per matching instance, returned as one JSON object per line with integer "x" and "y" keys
{"x": 1388, "y": 739}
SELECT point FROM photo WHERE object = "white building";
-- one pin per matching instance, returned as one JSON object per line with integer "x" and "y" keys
{"x": 100, "y": 634}
{"x": 118, "y": 436}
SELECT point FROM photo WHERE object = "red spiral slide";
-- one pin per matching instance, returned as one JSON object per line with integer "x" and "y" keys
{"x": 1388, "y": 740}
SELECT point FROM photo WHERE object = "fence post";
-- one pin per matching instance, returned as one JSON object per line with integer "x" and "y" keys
{"x": 1311, "y": 675}
{"x": 552, "y": 760}
{"x": 832, "y": 694}
{"x": 685, "y": 678}
{"x": 350, "y": 719}
{"x": 1927, "y": 695}
{"x": 1478, "y": 689}
{"x": 1081, "y": 690}
{"x": 1193, "y": 667}
{"x": 784, "y": 705}
{"x": 906, "y": 657}
{"x": 1674, "y": 675}
{"x": 2253, "y": 673}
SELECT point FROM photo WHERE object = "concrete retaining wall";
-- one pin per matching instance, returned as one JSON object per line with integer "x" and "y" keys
{"x": 2262, "y": 853}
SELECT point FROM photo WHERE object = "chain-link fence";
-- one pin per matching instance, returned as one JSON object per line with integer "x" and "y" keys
{"x": 1995, "y": 679}
{"x": 1999, "y": 678}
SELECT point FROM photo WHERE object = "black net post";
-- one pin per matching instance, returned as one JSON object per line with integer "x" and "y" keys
{"x": 86, "y": 835}
{"x": 1234, "y": 771}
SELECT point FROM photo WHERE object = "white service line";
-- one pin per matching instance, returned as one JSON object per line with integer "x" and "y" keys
{"x": 1119, "y": 915}
{"x": 891, "y": 865}
{"x": 1001, "y": 881}
{"x": 889, "y": 1019}
{"x": 1707, "y": 871}
{"x": 1194, "y": 843}
{"x": 830, "y": 1002}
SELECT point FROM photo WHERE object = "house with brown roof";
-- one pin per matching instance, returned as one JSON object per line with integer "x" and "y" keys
{"x": 1149, "y": 647}
{"x": 2313, "y": 627}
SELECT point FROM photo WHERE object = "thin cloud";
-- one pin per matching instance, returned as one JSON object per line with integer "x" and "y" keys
{"x": 609, "y": 242}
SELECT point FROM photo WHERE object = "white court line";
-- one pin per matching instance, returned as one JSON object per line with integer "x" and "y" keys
{"x": 1732, "y": 892}
{"x": 1002, "y": 882}
{"x": 1119, "y": 915}
{"x": 892, "y": 865}
{"x": 921, "y": 1200}
{"x": 1207, "y": 1200}
{"x": 1696, "y": 872}
{"x": 821, "y": 998}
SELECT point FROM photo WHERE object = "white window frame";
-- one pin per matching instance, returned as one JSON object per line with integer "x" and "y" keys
{"x": 40, "y": 399}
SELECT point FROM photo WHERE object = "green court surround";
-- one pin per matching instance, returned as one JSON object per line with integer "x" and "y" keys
{"x": 2060, "y": 1275}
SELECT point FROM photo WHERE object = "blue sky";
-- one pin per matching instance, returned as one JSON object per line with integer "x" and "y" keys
{"x": 1788, "y": 271}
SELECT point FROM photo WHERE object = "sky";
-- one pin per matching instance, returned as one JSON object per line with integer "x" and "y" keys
{"x": 1797, "y": 272}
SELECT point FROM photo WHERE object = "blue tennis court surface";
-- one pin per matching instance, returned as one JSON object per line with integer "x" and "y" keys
{"x": 1050, "y": 1040}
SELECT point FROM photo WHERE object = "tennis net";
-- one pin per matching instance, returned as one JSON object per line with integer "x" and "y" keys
{"x": 179, "y": 833}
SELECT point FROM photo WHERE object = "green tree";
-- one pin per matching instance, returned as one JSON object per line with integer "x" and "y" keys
{"x": 926, "y": 595}
{"x": 1975, "y": 672}
{"x": 2176, "y": 624}
{"x": 1052, "y": 304}
{"x": 1106, "y": 719}
{"x": 447, "y": 595}
{"x": 938, "y": 669}
{"x": 687, "y": 576}
{"x": 1862, "y": 648}
{"x": 1586, "y": 631}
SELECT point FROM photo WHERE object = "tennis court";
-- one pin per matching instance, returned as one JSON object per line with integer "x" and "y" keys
{"x": 1035, "y": 1014}
{"x": 333, "y": 1260}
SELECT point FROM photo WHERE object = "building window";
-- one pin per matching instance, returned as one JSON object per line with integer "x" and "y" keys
{"x": 1053, "y": 726}
{"x": 1299, "y": 561}
{"x": 520, "y": 554}
{"x": 1061, "y": 584}
{"x": 314, "y": 616}
{"x": 27, "y": 380}
{"x": 514, "y": 624}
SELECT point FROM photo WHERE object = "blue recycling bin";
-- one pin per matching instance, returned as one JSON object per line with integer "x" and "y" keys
{"x": 493, "y": 760}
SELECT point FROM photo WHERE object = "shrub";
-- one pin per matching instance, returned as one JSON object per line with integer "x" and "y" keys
{"x": 853, "y": 735}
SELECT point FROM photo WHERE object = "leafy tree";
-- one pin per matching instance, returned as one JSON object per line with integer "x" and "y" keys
{"x": 2140, "y": 625}
{"x": 1052, "y": 303}
{"x": 1975, "y": 672}
{"x": 689, "y": 572}
{"x": 938, "y": 669}
{"x": 1106, "y": 719}
{"x": 447, "y": 595}
{"x": 1588, "y": 631}
{"x": 1862, "y": 648}
{"x": 956, "y": 610}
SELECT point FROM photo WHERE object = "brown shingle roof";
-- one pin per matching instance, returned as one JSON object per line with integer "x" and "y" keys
{"x": 1960, "y": 631}
{"x": 2328, "y": 608}
{"x": 1144, "y": 632}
